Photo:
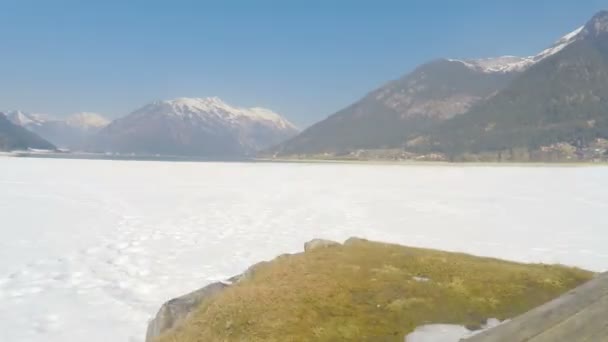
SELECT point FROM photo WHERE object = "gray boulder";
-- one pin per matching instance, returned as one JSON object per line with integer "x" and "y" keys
{"x": 176, "y": 310}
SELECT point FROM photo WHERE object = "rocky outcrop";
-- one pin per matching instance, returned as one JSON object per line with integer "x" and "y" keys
{"x": 175, "y": 311}
{"x": 375, "y": 287}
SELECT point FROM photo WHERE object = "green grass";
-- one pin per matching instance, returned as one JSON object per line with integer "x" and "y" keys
{"x": 365, "y": 291}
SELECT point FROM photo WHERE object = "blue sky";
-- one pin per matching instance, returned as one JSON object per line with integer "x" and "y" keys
{"x": 303, "y": 59}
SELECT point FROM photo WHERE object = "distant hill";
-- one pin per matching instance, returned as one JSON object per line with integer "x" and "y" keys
{"x": 71, "y": 133}
{"x": 13, "y": 137}
{"x": 551, "y": 105}
{"x": 194, "y": 127}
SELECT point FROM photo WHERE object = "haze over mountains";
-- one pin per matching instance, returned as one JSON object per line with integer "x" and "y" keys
{"x": 448, "y": 109}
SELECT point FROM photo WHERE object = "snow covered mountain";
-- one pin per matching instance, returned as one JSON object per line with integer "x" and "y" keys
{"x": 194, "y": 126}
{"x": 70, "y": 133}
{"x": 554, "y": 110}
{"x": 506, "y": 64}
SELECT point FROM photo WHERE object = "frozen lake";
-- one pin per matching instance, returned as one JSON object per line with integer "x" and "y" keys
{"x": 91, "y": 248}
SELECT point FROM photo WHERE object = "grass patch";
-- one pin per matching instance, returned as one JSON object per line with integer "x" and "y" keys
{"x": 368, "y": 291}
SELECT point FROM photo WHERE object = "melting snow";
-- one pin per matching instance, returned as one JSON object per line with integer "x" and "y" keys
{"x": 446, "y": 332}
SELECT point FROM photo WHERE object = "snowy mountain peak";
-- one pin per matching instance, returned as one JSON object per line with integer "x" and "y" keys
{"x": 200, "y": 103}
{"x": 86, "y": 120}
{"x": 184, "y": 104}
{"x": 568, "y": 38}
{"x": 507, "y": 64}
{"x": 503, "y": 64}
{"x": 22, "y": 118}
{"x": 216, "y": 107}
{"x": 559, "y": 45}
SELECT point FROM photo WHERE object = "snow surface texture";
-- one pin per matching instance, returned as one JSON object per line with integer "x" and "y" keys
{"x": 92, "y": 248}
{"x": 506, "y": 64}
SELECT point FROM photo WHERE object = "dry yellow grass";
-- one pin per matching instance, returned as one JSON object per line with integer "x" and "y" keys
{"x": 367, "y": 291}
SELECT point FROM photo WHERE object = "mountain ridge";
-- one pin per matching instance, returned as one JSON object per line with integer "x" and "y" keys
{"x": 423, "y": 129}
{"x": 562, "y": 99}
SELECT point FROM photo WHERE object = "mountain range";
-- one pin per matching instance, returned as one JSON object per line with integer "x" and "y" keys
{"x": 550, "y": 105}
{"x": 206, "y": 127}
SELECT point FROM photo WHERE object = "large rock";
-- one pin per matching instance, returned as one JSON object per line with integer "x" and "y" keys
{"x": 319, "y": 243}
{"x": 176, "y": 310}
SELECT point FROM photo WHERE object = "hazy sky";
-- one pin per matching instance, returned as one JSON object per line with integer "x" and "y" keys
{"x": 303, "y": 59}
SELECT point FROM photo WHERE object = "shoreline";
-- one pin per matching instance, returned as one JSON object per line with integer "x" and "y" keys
{"x": 171, "y": 158}
{"x": 428, "y": 163}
